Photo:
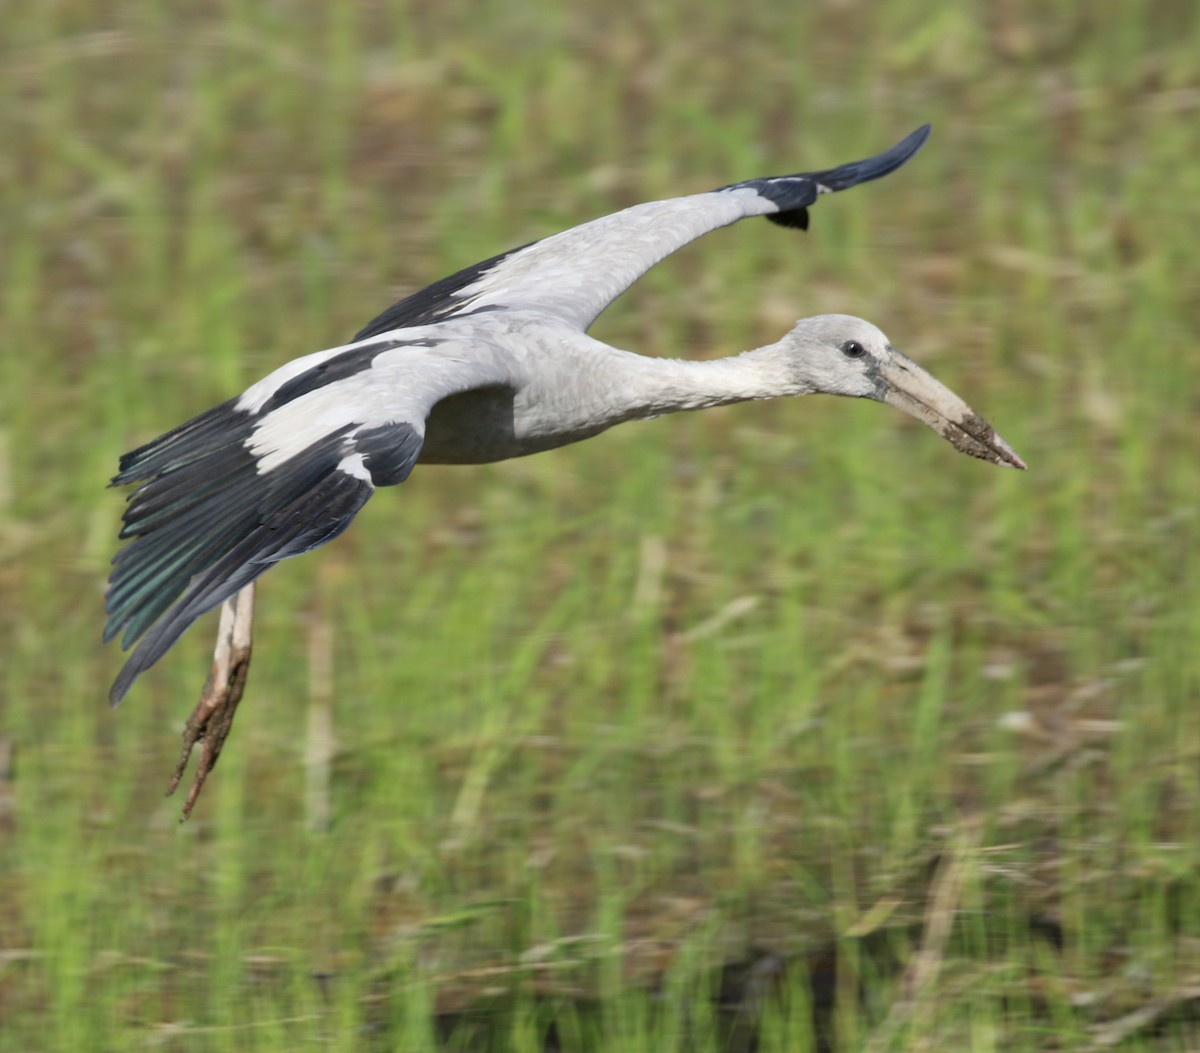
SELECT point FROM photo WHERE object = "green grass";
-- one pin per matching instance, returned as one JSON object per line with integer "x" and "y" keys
{"x": 768, "y": 693}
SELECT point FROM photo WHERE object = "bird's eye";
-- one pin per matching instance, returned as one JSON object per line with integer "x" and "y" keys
{"x": 853, "y": 349}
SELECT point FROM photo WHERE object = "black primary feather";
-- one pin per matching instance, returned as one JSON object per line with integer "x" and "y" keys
{"x": 206, "y": 522}
{"x": 794, "y": 193}
{"x": 855, "y": 172}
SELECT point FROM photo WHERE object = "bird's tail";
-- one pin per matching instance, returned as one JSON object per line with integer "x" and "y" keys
{"x": 206, "y": 521}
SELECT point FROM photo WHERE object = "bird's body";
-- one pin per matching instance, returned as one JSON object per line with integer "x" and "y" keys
{"x": 487, "y": 364}
{"x": 534, "y": 386}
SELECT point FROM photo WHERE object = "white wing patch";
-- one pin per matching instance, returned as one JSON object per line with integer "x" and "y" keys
{"x": 256, "y": 395}
{"x": 400, "y": 385}
{"x": 352, "y": 464}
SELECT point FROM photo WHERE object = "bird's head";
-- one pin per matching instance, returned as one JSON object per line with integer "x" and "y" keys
{"x": 837, "y": 354}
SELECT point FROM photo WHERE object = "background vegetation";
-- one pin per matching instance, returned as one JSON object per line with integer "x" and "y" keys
{"x": 781, "y": 725}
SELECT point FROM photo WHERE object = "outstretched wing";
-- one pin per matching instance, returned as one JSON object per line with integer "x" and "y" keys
{"x": 269, "y": 475}
{"x": 576, "y": 274}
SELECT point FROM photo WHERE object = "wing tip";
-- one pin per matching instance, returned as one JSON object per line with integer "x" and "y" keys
{"x": 845, "y": 176}
{"x": 793, "y": 194}
{"x": 130, "y": 671}
{"x": 914, "y": 141}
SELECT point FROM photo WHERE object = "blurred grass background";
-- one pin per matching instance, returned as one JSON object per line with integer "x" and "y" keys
{"x": 778, "y": 727}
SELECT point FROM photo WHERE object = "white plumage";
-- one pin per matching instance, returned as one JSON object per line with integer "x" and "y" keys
{"x": 490, "y": 363}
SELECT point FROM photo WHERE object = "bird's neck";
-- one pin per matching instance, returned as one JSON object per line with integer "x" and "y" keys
{"x": 577, "y": 387}
{"x": 665, "y": 385}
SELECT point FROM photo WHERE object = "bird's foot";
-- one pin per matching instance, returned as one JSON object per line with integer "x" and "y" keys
{"x": 212, "y": 718}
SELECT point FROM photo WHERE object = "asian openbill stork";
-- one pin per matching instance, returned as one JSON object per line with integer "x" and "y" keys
{"x": 489, "y": 363}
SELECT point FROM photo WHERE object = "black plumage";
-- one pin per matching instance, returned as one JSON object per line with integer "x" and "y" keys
{"x": 208, "y": 521}
{"x": 435, "y": 302}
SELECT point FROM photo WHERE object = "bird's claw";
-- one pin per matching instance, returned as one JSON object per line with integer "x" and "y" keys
{"x": 212, "y": 718}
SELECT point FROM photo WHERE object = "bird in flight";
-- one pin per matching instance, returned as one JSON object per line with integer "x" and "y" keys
{"x": 489, "y": 363}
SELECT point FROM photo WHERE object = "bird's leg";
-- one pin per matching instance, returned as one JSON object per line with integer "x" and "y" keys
{"x": 212, "y": 718}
